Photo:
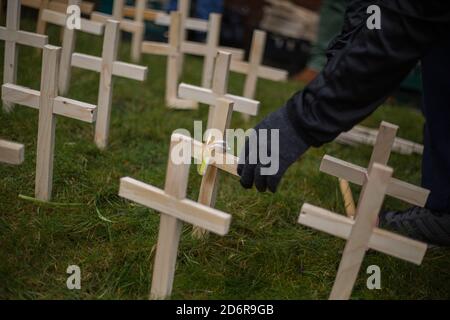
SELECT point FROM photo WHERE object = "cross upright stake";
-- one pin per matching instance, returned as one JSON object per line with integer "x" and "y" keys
{"x": 254, "y": 68}
{"x": 108, "y": 67}
{"x": 361, "y": 233}
{"x": 175, "y": 209}
{"x": 220, "y": 122}
{"x": 219, "y": 90}
{"x": 13, "y": 36}
{"x": 68, "y": 43}
{"x": 135, "y": 27}
{"x": 49, "y": 105}
{"x": 173, "y": 53}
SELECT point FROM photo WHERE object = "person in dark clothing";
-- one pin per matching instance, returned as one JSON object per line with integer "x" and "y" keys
{"x": 364, "y": 67}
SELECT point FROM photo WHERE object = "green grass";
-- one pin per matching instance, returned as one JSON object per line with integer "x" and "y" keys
{"x": 266, "y": 255}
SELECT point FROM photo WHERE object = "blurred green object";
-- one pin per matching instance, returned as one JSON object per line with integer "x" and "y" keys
{"x": 413, "y": 81}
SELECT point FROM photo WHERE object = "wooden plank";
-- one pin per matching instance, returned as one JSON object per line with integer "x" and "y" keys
{"x": 349, "y": 202}
{"x": 273, "y": 74}
{"x": 149, "y": 14}
{"x": 255, "y": 60}
{"x": 138, "y": 35}
{"x": 220, "y": 121}
{"x": 11, "y": 152}
{"x": 369, "y": 206}
{"x": 185, "y": 210}
{"x": 23, "y": 37}
{"x": 47, "y": 123}
{"x": 86, "y": 7}
{"x": 383, "y": 241}
{"x": 41, "y": 24}
{"x": 120, "y": 69}
{"x": 355, "y": 174}
{"x": 206, "y": 96}
{"x": 58, "y": 18}
{"x": 383, "y": 145}
{"x": 11, "y": 50}
{"x": 68, "y": 46}
{"x": 61, "y": 106}
{"x": 219, "y": 80}
{"x": 212, "y": 43}
{"x": 156, "y": 48}
{"x": 109, "y": 55}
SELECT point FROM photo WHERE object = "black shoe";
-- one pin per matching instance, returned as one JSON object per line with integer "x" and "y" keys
{"x": 420, "y": 224}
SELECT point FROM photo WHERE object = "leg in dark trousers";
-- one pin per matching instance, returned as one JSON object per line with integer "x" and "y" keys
{"x": 436, "y": 158}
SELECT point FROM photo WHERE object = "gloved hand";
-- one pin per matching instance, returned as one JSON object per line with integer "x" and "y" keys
{"x": 253, "y": 168}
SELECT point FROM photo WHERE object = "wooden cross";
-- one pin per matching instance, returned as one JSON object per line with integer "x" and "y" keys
{"x": 254, "y": 68}
{"x": 219, "y": 89}
{"x": 364, "y": 135}
{"x": 68, "y": 43}
{"x": 381, "y": 153}
{"x": 136, "y": 27}
{"x": 361, "y": 233}
{"x": 54, "y": 5}
{"x": 49, "y": 105}
{"x": 13, "y": 36}
{"x": 175, "y": 209}
{"x": 11, "y": 152}
{"x": 173, "y": 53}
{"x": 107, "y": 66}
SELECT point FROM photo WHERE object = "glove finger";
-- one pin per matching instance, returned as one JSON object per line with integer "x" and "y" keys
{"x": 260, "y": 180}
{"x": 273, "y": 182}
{"x": 248, "y": 176}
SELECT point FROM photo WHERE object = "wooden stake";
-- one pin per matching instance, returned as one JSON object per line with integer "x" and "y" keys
{"x": 220, "y": 121}
{"x": 13, "y": 36}
{"x": 370, "y": 203}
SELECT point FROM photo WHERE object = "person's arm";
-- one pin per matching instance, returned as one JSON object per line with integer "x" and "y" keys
{"x": 364, "y": 68}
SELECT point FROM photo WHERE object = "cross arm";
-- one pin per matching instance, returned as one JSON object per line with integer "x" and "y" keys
{"x": 264, "y": 72}
{"x": 125, "y": 24}
{"x": 229, "y": 163}
{"x": 121, "y": 69}
{"x": 149, "y": 14}
{"x": 194, "y": 24}
{"x": 59, "y": 19}
{"x": 156, "y": 48}
{"x": 24, "y": 37}
{"x": 11, "y": 152}
{"x": 62, "y": 106}
{"x": 207, "y": 96}
{"x": 186, "y": 210}
{"x": 356, "y": 174}
{"x": 381, "y": 240}
{"x": 86, "y": 7}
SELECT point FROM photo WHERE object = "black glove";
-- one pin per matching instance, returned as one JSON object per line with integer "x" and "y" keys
{"x": 290, "y": 147}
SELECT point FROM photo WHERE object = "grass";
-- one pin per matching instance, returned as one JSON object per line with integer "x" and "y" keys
{"x": 266, "y": 255}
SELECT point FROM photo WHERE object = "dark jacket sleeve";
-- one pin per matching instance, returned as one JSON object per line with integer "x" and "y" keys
{"x": 364, "y": 67}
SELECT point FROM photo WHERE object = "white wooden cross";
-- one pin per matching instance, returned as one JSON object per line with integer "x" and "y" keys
{"x": 49, "y": 105}
{"x": 381, "y": 153}
{"x": 254, "y": 68}
{"x": 175, "y": 210}
{"x": 11, "y": 152}
{"x": 136, "y": 27}
{"x": 69, "y": 39}
{"x": 13, "y": 36}
{"x": 108, "y": 67}
{"x": 361, "y": 234}
{"x": 173, "y": 53}
{"x": 54, "y": 5}
{"x": 219, "y": 89}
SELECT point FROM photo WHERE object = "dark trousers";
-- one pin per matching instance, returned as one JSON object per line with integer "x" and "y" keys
{"x": 436, "y": 158}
